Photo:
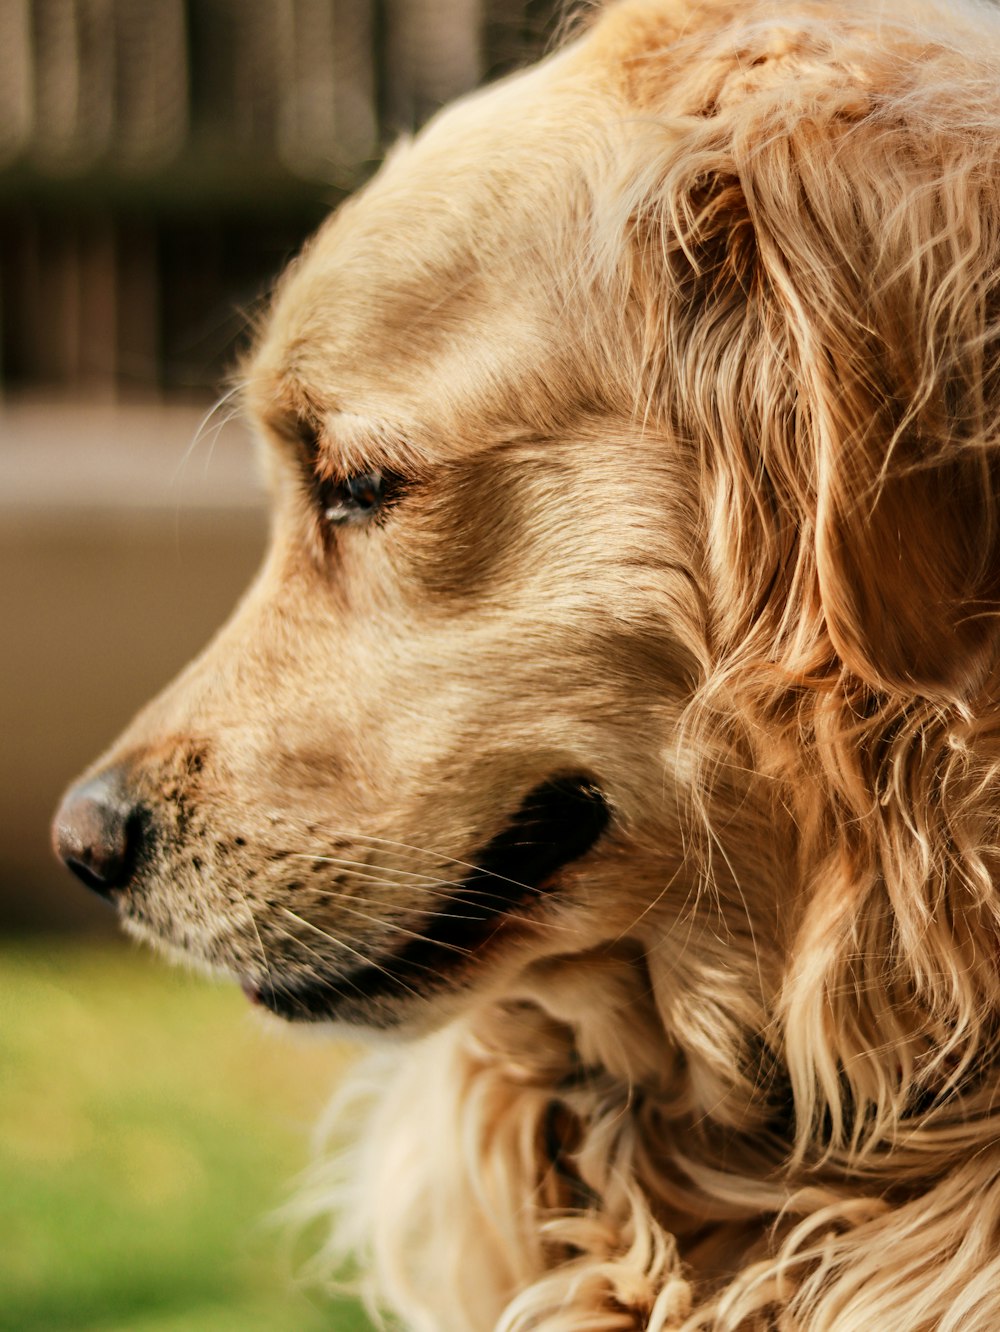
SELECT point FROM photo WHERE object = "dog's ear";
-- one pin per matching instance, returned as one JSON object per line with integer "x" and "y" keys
{"x": 836, "y": 287}
{"x": 907, "y": 557}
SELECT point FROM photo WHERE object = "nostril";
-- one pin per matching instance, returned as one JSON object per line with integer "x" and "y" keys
{"x": 96, "y": 834}
{"x": 99, "y": 883}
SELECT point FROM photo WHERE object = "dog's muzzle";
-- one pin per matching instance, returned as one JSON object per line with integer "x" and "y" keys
{"x": 557, "y": 824}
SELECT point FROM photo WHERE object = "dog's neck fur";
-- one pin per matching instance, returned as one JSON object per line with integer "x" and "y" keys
{"x": 624, "y": 1134}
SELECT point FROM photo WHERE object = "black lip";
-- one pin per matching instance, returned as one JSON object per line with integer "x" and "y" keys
{"x": 557, "y": 823}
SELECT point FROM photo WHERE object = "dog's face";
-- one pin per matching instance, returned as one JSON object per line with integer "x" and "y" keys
{"x": 627, "y": 652}
{"x": 409, "y": 763}
{"x": 612, "y": 505}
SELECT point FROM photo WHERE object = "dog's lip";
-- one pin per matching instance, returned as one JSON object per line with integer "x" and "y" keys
{"x": 556, "y": 825}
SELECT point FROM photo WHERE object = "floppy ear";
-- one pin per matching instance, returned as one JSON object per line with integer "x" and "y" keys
{"x": 839, "y": 282}
{"x": 887, "y": 275}
{"x": 907, "y": 556}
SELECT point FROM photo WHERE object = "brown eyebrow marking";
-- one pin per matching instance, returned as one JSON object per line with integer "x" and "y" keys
{"x": 339, "y": 444}
{"x": 332, "y": 440}
{"x": 288, "y": 409}
{"x": 308, "y": 433}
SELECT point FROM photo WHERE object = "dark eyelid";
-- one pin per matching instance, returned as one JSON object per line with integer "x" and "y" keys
{"x": 304, "y": 433}
{"x": 308, "y": 434}
{"x": 300, "y": 437}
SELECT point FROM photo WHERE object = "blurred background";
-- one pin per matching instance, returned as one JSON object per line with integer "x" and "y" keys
{"x": 160, "y": 161}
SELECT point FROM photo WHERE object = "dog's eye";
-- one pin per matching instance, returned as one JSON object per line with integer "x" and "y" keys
{"x": 355, "y": 498}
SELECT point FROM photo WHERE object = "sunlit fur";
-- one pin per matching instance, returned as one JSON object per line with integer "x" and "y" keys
{"x": 688, "y": 341}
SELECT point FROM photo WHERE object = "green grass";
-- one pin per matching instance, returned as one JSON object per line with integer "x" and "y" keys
{"x": 149, "y": 1124}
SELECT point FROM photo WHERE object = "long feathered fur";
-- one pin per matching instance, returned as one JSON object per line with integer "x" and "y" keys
{"x": 637, "y": 424}
{"x": 792, "y": 1125}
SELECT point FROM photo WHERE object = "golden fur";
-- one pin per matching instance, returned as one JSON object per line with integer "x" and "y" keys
{"x": 686, "y": 344}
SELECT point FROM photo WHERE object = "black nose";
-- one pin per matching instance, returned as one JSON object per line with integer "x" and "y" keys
{"x": 97, "y": 833}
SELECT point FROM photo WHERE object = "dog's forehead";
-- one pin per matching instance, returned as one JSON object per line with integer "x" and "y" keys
{"x": 443, "y": 285}
{"x": 448, "y": 269}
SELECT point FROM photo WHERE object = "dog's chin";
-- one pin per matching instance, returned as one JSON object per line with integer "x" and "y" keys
{"x": 516, "y": 879}
{"x": 393, "y": 993}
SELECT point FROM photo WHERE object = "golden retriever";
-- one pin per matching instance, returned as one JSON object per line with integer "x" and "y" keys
{"x": 617, "y": 714}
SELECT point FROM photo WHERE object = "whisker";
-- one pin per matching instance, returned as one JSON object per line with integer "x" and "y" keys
{"x": 301, "y": 943}
{"x": 412, "y": 934}
{"x": 650, "y": 905}
{"x": 405, "y": 846}
{"x": 366, "y": 865}
{"x": 260, "y": 941}
{"x": 440, "y": 855}
{"x": 335, "y": 895}
{"x": 365, "y": 961}
{"x": 204, "y": 424}
{"x": 430, "y": 880}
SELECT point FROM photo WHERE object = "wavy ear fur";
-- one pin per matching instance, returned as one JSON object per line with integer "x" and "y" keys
{"x": 816, "y": 259}
{"x": 833, "y": 277}
{"x": 813, "y": 249}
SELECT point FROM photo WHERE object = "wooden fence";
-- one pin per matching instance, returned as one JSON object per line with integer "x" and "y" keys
{"x": 160, "y": 159}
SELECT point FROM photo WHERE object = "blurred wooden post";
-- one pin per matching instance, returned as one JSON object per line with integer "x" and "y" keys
{"x": 433, "y": 53}
{"x": 117, "y": 117}
{"x": 17, "y": 71}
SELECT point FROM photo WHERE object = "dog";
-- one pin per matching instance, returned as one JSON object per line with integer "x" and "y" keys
{"x": 615, "y": 723}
